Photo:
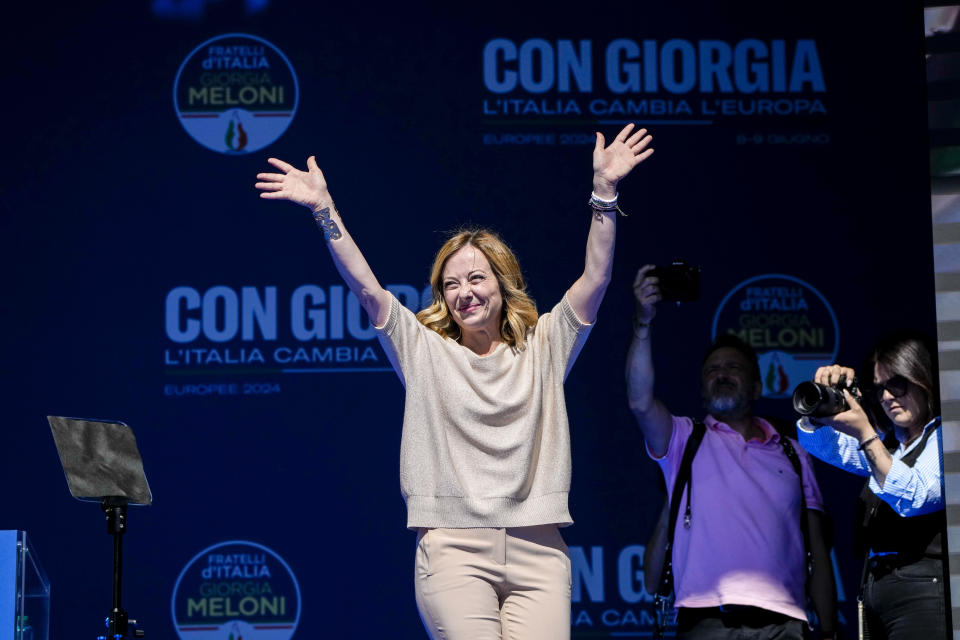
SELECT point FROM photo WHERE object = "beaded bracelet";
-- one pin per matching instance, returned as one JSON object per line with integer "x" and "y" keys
{"x": 598, "y": 204}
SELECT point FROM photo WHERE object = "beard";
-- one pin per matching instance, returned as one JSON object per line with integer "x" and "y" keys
{"x": 726, "y": 402}
{"x": 723, "y": 405}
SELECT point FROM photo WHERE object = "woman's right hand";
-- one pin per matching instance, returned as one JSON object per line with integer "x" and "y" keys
{"x": 646, "y": 291}
{"x": 302, "y": 187}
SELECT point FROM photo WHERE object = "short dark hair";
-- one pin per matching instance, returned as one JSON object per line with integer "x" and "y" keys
{"x": 733, "y": 341}
{"x": 910, "y": 354}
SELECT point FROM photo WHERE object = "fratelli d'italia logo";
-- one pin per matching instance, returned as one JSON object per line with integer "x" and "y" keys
{"x": 236, "y": 590}
{"x": 790, "y": 324}
{"x": 235, "y": 93}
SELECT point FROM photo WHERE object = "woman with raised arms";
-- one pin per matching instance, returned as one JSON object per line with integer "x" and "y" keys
{"x": 485, "y": 447}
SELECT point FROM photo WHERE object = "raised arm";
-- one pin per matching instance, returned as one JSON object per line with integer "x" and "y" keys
{"x": 909, "y": 490}
{"x": 309, "y": 189}
{"x": 610, "y": 165}
{"x": 654, "y": 419}
{"x": 854, "y": 422}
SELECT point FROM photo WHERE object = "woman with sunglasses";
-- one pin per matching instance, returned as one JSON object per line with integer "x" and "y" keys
{"x": 901, "y": 510}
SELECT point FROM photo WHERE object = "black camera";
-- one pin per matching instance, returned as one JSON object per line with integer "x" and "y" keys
{"x": 679, "y": 281}
{"x": 819, "y": 400}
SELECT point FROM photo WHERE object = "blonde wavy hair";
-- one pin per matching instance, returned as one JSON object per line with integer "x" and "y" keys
{"x": 519, "y": 312}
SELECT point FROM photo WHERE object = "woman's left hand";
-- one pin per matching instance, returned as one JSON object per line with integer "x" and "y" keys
{"x": 854, "y": 421}
{"x": 612, "y": 163}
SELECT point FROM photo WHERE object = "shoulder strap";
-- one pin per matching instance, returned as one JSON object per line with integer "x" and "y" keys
{"x": 682, "y": 481}
{"x": 911, "y": 458}
{"x": 794, "y": 459}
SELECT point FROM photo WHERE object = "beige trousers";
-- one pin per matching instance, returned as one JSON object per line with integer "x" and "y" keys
{"x": 494, "y": 584}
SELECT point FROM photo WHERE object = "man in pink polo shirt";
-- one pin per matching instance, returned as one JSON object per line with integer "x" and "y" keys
{"x": 740, "y": 567}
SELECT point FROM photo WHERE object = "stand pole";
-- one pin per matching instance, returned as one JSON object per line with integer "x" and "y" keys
{"x": 116, "y": 510}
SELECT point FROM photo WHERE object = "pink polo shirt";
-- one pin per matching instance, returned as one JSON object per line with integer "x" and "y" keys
{"x": 744, "y": 545}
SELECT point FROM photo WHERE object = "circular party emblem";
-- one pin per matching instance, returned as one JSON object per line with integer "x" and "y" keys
{"x": 236, "y": 591}
{"x": 790, "y": 324}
{"x": 235, "y": 93}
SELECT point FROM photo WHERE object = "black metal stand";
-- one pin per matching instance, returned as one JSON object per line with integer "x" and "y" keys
{"x": 102, "y": 464}
{"x": 119, "y": 625}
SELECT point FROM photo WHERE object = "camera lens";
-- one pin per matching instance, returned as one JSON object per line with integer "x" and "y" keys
{"x": 806, "y": 397}
{"x": 817, "y": 400}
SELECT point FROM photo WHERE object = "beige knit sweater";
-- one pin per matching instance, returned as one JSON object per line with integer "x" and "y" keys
{"x": 485, "y": 440}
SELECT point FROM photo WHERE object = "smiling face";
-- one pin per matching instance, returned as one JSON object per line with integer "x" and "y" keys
{"x": 908, "y": 411}
{"x": 472, "y": 292}
{"x": 727, "y": 383}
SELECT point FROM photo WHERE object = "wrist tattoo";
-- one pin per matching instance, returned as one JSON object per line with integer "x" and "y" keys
{"x": 330, "y": 229}
{"x": 873, "y": 459}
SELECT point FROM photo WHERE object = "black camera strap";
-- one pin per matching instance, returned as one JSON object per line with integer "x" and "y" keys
{"x": 794, "y": 459}
{"x": 664, "y": 595}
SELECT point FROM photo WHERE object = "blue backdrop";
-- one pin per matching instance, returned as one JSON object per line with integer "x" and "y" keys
{"x": 145, "y": 280}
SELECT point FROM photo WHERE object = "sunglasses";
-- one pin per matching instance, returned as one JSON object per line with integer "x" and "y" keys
{"x": 897, "y": 386}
